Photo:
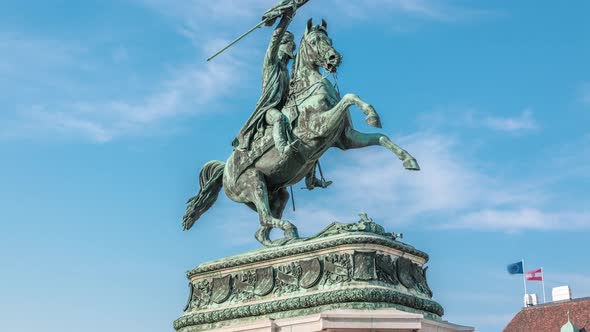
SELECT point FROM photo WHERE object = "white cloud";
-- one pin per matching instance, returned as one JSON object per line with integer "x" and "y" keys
{"x": 203, "y": 21}
{"x": 190, "y": 89}
{"x": 185, "y": 88}
{"x": 523, "y": 122}
{"x": 19, "y": 52}
{"x": 66, "y": 124}
{"x": 449, "y": 192}
{"x": 35, "y": 64}
{"x": 442, "y": 11}
{"x": 200, "y": 20}
{"x": 519, "y": 219}
{"x": 208, "y": 24}
{"x": 440, "y": 185}
{"x": 211, "y": 10}
{"x": 458, "y": 116}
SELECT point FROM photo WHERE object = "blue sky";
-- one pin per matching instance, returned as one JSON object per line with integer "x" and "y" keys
{"x": 109, "y": 110}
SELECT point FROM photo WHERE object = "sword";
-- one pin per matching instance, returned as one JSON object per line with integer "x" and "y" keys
{"x": 241, "y": 37}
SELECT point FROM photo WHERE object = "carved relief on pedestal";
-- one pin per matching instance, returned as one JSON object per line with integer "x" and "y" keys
{"x": 364, "y": 265}
{"x": 329, "y": 270}
{"x": 412, "y": 276}
{"x": 287, "y": 278}
{"x": 265, "y": 281}
{"x": 421, "y": 283}
{"x": 311, "y": 273}
{"x": 243, "y": 286}
{"x": 387, "y": 269}
{"x": 221, "y": 289}
{"x": 201, "y": 295}
{"x": 404, "y": 266}
{"x": 337, "y": 269}
{"x": 368, "y": 270}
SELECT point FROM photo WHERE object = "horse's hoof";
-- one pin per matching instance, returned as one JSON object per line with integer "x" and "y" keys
{"x": 373, "y": 121}
{"x": 263, "y": 235}
{"x": 291, "y": 233}
{"x": 411, "y": 164}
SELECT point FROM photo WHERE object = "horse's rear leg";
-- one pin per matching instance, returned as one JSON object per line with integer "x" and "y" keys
{"x": 258, "y": 195}
{"x": 278, "y": 201}
{"x": 354, "y": 139}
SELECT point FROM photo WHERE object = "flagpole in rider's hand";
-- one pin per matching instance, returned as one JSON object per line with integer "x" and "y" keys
{"x": 268, "y": 19}
{"x": 238, "y": 39}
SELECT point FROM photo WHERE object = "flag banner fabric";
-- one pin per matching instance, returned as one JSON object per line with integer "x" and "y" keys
{"x": 515, "y": 268}
{"x": 535, "y": 275}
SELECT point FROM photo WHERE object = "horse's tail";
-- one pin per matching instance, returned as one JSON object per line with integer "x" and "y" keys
{"x": 210, "y": 181}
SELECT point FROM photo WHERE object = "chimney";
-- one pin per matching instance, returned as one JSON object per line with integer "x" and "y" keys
{"x": 530, "y": 300}
{"x": 563, "y": 293}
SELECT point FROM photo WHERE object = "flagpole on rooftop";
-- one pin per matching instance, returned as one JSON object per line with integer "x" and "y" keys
{"x": 543, "y": 282}
{"x": 524, "y": 277}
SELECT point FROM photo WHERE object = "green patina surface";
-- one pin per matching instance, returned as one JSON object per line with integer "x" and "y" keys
{"x": 358, "y": 266}
{"x": 337, "y": 234}
{"x": 299, "y": 116}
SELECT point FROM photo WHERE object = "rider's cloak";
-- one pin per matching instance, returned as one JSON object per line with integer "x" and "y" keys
{"x": 275, "y": 89}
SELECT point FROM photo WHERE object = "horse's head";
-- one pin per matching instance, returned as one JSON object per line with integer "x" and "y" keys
{"x": 316, "y": 48}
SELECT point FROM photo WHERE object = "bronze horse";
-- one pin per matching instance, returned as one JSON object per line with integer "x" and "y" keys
{"x": 320, "y": 119}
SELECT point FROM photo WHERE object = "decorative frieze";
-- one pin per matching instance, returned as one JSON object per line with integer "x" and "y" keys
{"x": 359, "y": 270}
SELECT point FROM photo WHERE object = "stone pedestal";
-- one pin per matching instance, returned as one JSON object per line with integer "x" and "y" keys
{"x": 346, "y": 320}
{"x": 350, "y": 277}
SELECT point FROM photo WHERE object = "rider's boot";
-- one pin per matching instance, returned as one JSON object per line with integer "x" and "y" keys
{"x": 280, "y": 136}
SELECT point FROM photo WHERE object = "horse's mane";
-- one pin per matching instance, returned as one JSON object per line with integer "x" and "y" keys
{"x": 303, "y": 48}
{"x": 300, "y": 52}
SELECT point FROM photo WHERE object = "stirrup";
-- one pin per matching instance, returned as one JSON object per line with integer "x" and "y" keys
{"x": 322, "y": 183}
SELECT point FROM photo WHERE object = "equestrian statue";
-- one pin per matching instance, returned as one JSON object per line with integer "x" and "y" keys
{"x": 296, "y": 120}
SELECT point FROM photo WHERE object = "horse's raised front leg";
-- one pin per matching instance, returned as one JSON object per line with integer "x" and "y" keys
{"x": 355, "y": 140}
{"x": 258, "y": 195}
{"x": 372, "y": 118}
{"x": 332, "y": 117}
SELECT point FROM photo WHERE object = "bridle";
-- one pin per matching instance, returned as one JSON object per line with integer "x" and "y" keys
{"x": 294, "y": 94}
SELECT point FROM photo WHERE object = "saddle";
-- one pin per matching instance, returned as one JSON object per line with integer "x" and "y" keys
{"x": 259, "y": 146}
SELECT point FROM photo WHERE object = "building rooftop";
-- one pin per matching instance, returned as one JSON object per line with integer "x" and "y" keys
{"x": 551, "y": 317}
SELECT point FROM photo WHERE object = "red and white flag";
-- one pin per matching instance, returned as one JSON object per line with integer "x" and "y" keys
{"x": 535, "y": 275}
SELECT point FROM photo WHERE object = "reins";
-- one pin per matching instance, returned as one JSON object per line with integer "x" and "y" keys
{"x": 294, "y": 94}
